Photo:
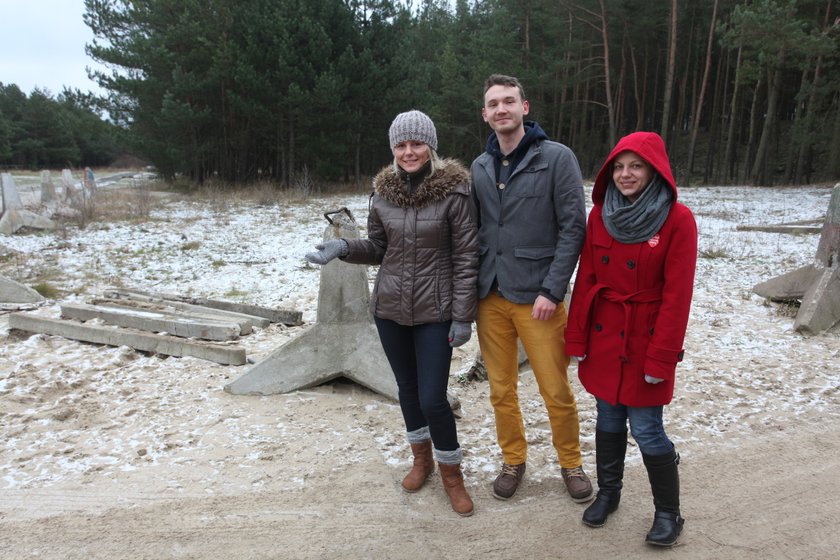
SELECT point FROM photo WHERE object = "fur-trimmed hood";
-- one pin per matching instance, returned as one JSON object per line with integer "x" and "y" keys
{"x": 425, "y": 243}
{"x": 449, "y": 176}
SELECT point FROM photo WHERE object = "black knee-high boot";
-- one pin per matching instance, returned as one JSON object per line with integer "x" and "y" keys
{"x": 665, "y": 486}
{"x": 610, "y": 449}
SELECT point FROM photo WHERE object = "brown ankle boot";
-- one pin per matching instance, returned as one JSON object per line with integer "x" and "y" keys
{"x": 453, "y": 483}
{"x": 424, "y": 465}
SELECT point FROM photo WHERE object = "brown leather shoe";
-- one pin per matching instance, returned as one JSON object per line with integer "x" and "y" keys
{"x": 577, "y": 483}
{"x": 505, "y": 485}
{"x": 424, "y": 465}
{"x": 453, "y": 483}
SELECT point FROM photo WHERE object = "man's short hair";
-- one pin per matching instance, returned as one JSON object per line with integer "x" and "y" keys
{"x": 502, "y": 80}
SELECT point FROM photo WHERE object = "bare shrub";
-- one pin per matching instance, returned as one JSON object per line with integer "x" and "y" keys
{"x": 265, "y": 194}
{"x": 216, "y": 194}
{"x": 110, "y": 205}
{"x": 84, "y": 203}
{"x": 304, "y": 184}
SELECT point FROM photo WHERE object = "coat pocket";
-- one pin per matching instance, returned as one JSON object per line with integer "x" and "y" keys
{"x": 534, "y": 253}
{"x": 535, "y": 262}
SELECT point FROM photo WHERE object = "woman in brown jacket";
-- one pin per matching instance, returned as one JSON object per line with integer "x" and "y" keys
{"x": 422, "y": 234}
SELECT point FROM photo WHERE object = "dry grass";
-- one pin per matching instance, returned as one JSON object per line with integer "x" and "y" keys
{"x": 47, "y": 290}
{"x": 220, "y": 195}
{"x": 114, "y": 205}
{"x": 714, "y": 253}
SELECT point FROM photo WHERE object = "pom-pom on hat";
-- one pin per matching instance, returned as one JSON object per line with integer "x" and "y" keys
{"x": 413, "y": 125}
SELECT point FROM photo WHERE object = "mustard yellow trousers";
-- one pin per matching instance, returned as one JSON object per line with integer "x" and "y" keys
{"x": 500, "y": 324}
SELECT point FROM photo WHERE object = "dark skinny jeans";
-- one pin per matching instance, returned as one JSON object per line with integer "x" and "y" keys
{"x": 419, "y": 357}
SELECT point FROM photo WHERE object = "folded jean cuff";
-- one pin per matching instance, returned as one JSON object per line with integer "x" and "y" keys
{"x": 419, "y": 435}
{"x": 449, "y": 457}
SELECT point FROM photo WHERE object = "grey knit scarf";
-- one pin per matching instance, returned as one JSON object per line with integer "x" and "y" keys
{"x": 629, "y": 222}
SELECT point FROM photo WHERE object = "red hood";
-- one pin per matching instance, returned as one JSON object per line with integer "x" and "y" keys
{"x": 650, "y": 146}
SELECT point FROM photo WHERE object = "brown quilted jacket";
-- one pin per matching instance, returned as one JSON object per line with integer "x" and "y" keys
{"x": 426, "y": 245}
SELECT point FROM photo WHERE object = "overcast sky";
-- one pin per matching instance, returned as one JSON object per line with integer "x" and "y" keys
{"x": 42, "y": 44}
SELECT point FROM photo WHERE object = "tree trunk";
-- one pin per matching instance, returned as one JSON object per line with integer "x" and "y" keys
{"x": 637, "y": 97}
{"x": 834, "y": 152}
{"x": 357, "y": 161}
{"x": 619, "y": 94}
{"x": 751, "y": 135}
{"x": 578, "y": 115}
{"x": 561, "y": 84}
{"x": 527, "y": 37}
{"x": 774, "y": 81}
{"x": 721, "y": 86}
{"x": 290, "y": 163}
{"x": 803, "y": 158}
{"x": 607, "y": 83}
{"x": 798, "y": 130}
{"x": 729, "y": 163}
{"x": 669, "y": 76}
{"x": 703, "y": 83}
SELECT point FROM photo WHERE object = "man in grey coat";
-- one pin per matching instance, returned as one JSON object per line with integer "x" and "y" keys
{"x": 528, "y": 193}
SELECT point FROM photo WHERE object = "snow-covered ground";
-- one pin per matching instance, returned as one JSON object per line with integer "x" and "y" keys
{"x": 85, "y": 420}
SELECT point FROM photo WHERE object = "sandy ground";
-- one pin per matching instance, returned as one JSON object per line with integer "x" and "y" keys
{"x": 772, "y": 498}
{"x": 316, "y": 473}
{"x": 111, "y": 453}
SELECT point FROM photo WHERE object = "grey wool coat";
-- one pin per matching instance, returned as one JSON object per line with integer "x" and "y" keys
{"x": 425, "y": 242}
{"x": 531, "y": 232}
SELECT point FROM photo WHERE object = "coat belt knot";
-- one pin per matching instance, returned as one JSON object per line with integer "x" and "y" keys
{"x": 650, "y": 295}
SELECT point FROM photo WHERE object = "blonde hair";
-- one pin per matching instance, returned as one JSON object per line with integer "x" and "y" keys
{"x": 434, "y": 160}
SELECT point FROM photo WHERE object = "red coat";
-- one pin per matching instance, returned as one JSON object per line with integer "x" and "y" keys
{"x": 630, "y": 302}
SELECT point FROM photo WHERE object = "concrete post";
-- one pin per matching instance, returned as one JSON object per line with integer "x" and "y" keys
{"x": 342, "y": 342}
{"x": 11, "y": 197}
{"x": 47, "y": 187}
{"x": 817, "y": 284}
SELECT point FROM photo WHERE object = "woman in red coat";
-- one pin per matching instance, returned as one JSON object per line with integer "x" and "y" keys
{"x": 627, "y": 321}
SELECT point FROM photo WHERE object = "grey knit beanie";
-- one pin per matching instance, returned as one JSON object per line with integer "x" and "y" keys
{"x": 413, "y": 125}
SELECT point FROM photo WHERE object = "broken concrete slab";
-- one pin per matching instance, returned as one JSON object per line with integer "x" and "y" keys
{"x": 789, "y": 286}
{"x": 252, "y": 320}
{"x": 16, "y": 218}
{"x": 181, "y": 326}
{"x": 817, "y": 284}
{"x": 14, "y": 292}
{"x": 289, "y": 317}
{"x": 111, "y": 336}
{"x": 173, "y": 309}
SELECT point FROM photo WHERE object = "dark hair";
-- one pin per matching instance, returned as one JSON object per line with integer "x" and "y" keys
{"x": 502, "y": 80}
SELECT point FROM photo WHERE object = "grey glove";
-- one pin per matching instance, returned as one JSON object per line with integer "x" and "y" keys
{"x": 653, "y": 380}
{"x": 459, "y": 333}
{"x": 327, "y": 251}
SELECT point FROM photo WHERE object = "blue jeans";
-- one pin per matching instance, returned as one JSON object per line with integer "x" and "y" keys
{"x": 420, "y": 357}
{"x": 645, "y": 425}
